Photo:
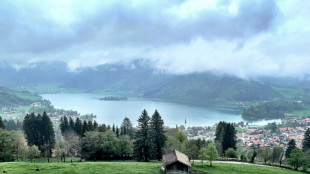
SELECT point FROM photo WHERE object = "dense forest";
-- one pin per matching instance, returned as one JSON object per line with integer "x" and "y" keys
{"x": 205, "y": 87}
{"x": 270, "y": 110}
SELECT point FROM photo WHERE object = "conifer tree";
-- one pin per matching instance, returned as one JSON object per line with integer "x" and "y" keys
{"x": 143, "y": 142}
{"x": 113, "y": 128}
{"x": 61, "y": 124}
{"x": 84, "y": 128}
{"x": 219, "y": 131}
{"x": 158, "y": 135}
{"x": 226, "y": 135}
{"x": 127, "y": 127}
{"x": 64, "y": 124}
{"x": 39, "y": 131}
{"x": 229, "y": 137}
{"x": 1, "y": 124}
{"x": 95, "y": 125}
{"x": 78, "y": 126}
{"x": 71, "y": 124}
{"x": 306, "y": 141}
{"x": 291, "y": 146}
{"x": 90, "y": 126}
{"x": 117, "y": 131}
{"x": 47, "y": 135}
{"x": 29, "y": 127}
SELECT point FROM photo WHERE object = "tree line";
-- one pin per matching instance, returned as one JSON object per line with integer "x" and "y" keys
{"x": 98, "y": 141}
{"x": 148, "y": 141}
{"x": 270, "y": 110}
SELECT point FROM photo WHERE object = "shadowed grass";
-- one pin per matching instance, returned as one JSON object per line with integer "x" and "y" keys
{"x": 241, "y": 168}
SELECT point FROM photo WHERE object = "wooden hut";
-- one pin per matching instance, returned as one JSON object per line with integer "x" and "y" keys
{"x": 176, "y": 162}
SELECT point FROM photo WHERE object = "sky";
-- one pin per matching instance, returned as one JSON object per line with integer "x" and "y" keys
{"x": 238, "y": 37}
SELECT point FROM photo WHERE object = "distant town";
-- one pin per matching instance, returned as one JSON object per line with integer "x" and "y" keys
{"x": 271, "y": 135}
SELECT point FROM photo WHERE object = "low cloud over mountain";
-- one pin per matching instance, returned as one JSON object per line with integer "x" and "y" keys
{"x": 243, "y": 38}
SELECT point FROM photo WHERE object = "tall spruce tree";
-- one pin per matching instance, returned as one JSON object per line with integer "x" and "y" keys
{"x": 306, "y": 141}
{"x": 64, "y": 124}
{"x": 113, "y": 128}
{"x": 30, "y": 129}
{"x": 47, "y": 134}
{"x": 290, "y": 147}
{"x": 95, "y": 125}
{"x": 90, "y": 126}
{"x": 71, "y": 123}
{"x": 226, "y": 135}
{"x": 229, "y": 137}
{"x": 78, "y": 126}
{"x": 158, "y": 135}
{"x": 219, "y": 132}
{"x": 117, "y": 132}
{"x": 84, "y": 128}
{"x": 39, "y": 131}
{"x": 1, "y": 123}
{"x": 127, "y": 128}
{"x": 142, "y": 145}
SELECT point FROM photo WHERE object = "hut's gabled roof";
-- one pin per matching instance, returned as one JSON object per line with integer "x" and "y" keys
{"x": 175, "y": 156}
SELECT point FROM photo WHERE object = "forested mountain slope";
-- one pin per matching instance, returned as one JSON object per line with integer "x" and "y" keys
{"x": 142, "y": 79}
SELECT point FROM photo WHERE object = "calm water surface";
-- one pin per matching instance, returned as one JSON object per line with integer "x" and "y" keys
{"x": 113, "y": 112}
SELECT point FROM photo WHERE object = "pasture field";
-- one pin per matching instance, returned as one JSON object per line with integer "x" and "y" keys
{"x": 131, "y": 167}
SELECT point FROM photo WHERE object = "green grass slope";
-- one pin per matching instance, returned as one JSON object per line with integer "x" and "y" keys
{"x": 81, "y": 168}
{"x": 131, "y": 168}
{"x": 242, "y": 169}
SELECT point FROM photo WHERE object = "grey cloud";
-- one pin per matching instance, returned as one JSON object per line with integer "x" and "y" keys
{"x": 122, "y": 31}
{"x": 153, "y": 26}
{"x": 24, "y": 29}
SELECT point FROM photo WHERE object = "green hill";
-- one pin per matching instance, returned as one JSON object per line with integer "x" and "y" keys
{"x": 10, "y": 97}
{"x": 211, "y": 87}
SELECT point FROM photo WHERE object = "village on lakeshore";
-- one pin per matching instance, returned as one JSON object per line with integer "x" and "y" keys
{"x": 274, "y": 134}
{"x": 271, "y": 135}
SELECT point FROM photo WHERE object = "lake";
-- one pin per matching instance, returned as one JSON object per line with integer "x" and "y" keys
{"x": 113, "y": 112}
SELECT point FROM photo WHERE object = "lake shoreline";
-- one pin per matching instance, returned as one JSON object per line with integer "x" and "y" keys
{"x": 173, "y": 112}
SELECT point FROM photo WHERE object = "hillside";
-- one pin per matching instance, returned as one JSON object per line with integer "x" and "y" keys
{"x": 211, "y": 87}
{"x": 10, "y": 97}
{"x": 196, "y": 86}
{"x": 140, "y": 78}
{"x": 271, "y": 110}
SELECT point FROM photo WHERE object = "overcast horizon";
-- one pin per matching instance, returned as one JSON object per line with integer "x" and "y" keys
{"x": 242, "y": 38}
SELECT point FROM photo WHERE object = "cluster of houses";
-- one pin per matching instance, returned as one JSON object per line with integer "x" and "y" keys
{"x": 259, "y": 136}
{"x": 16, "y": 114}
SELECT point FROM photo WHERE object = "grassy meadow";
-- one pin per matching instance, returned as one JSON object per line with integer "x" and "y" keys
{"x": 241, "y": 168}
{"x": 82, "y": 168}
{"x": 131, "y": 168}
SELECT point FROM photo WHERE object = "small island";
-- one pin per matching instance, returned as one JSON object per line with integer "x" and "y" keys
{"x": 114, "y": 98}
